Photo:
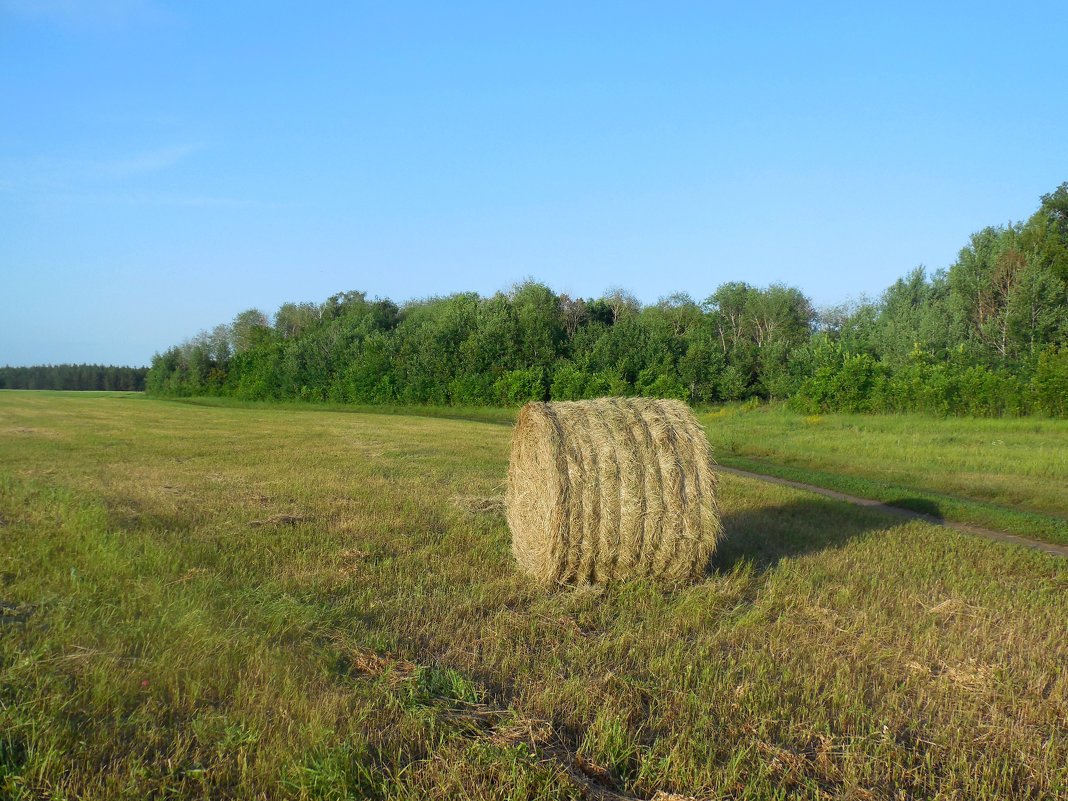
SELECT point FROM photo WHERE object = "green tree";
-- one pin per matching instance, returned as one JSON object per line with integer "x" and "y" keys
{"x": 295, "y": 319}
{"x": 249, "y": 329}
{"x": 540, "y": 324}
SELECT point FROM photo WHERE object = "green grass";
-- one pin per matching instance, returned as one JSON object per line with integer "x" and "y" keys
{"x": 155, "y": 643}
{"x": 1008, "y": 474}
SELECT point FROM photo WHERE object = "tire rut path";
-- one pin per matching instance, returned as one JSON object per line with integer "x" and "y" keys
{"x": 907, "y": 514}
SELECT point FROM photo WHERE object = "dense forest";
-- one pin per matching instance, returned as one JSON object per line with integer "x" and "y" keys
{"x": 74, "y": 376}
{"x": 987, "y": 336}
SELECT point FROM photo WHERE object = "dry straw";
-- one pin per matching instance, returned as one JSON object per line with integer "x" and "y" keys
{"x": 612, "y": 488}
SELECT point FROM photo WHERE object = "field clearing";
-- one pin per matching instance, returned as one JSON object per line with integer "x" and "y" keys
{"x": 221, "y": 602}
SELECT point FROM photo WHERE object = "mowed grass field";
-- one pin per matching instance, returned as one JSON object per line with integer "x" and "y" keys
{"x": 211, "y": 602}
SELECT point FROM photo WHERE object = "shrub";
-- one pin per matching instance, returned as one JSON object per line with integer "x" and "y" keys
{"x": 517, "y": 387}
{"x": 1050, "y": 381}
{"x": 472, "y": 390}
{"x": 607, "y": 384}
{"x": 733, "y": 383}
{"x": 661, "y": 382}
{"x": 569, "y": 382}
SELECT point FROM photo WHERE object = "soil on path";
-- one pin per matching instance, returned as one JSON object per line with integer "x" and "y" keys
{"x": 908, "y": 514}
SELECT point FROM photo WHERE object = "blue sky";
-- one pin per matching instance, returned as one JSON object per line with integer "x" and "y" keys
{"x": 165, "y": 165}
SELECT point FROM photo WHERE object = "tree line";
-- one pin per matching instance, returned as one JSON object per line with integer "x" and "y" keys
{"x": 987, "y": 336}
{"x": 100, "y": 377}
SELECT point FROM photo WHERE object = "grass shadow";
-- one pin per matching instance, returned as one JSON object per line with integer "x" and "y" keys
{"x": 11, "y": 612}
{"x": 128, "y": 513}
{"x": 767, "y": 534}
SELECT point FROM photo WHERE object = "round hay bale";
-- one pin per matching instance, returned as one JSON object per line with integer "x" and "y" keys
{"x": 612, "y": 488}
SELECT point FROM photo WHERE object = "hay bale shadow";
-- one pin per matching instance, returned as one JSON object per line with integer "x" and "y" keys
{"x": 923, "y": 506}
{"x": 765, "y": 535}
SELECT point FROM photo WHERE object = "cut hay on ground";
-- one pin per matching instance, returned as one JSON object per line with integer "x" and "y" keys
{"x": 612, "y": 488}
{"x": 479, "y": 504}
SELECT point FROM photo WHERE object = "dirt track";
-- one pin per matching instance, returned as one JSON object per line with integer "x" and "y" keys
{"x": 897, "y": 511}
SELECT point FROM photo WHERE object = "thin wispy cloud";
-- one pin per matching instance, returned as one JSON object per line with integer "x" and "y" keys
{"x": 59, "y": 173}
{"x": 150, "y": 161}
{"x": 161, "y": 199}
{"x": 107, "y": 14}
{"x": 110, "y": 181}
{"x": 182, "y": 201}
